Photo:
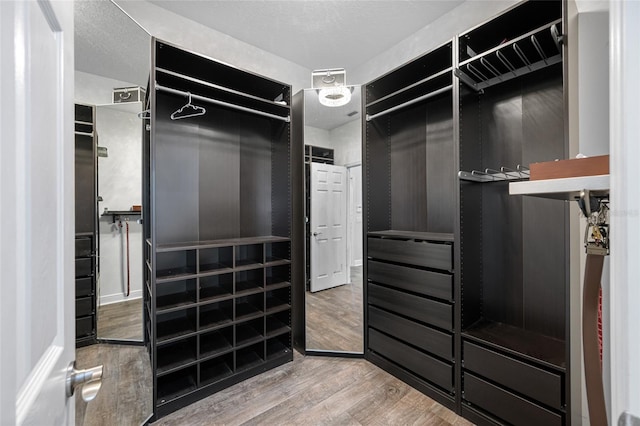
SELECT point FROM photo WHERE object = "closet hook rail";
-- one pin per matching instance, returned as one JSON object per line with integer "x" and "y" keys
{"x": 493, "y": 175}
{"x": 170, "y": 90}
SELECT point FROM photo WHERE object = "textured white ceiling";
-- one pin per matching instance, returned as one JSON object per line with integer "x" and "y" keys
{"x": 328, "y": 118}
{"x": 316, "y": 34}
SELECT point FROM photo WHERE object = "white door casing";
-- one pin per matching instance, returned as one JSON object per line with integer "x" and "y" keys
{"x": 37, "y": 327}
{"x": 328, "y": 226}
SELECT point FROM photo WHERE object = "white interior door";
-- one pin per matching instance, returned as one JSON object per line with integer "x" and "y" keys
{"x": 37, "y": 196}
{"x": 355, "y": 216}
{"x": 328, "y": 226}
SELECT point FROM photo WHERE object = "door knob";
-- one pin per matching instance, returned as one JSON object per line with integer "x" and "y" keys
{"x": 90, "y": 380}
{"x": 315, "y": 234}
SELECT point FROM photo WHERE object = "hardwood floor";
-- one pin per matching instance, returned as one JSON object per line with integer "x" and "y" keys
{"x": 126, "y": 393}
{"x": 122, "y": 320}
{"x": 334, "y": 316}
{"x": 317, "y": 391}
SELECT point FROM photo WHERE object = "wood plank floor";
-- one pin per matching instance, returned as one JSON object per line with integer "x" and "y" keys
{"x": 122, "y": 320}
{"x": 317, "y": 391}
{"x": 334, "y": 316}
{"x": 126, "y": 394}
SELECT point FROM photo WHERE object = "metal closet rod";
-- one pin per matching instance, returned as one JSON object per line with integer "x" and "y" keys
{"x": 411, "y": 102}
{"x": 161, "y": 88}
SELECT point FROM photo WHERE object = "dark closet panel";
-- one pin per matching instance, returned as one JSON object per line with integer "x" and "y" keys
{"x": 378, "y": 176}
{"x": 176, "y": 165}
{"x": 85, "y": 197}
{"x": 255, "y": 175}
{"x": 440, "y": 171}
{"x": 428, "y": 283}
{"x": 218, "y": 178}
{"x": 408, "y": 152}
{"x": 284, "y": 182}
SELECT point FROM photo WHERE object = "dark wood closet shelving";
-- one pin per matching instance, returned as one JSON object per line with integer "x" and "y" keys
{"x": 219, "y": 247}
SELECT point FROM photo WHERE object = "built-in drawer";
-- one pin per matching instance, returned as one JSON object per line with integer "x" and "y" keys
{"x": 411, "y": 279}
{"x": 84, "y": 267}
{"x": 84, "y": 286}
{"x": 426, "y": 338}
{"x": 419, "y": 253}
{"x": 84, "y": 306}
{"x": 419, "y": 308}
{"x": 505, "y": 405}
{"x": 84, "y": 326}
{"x": 541, "y": 385}
{"x": 417, "y": 362}
{"x": 84, "y": 246}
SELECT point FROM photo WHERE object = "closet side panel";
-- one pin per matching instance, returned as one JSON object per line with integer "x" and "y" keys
{"x": 176, "y": 147}
{"x": 219, "y": 182}
{"x": 378, "y": 175}
{"x": 440, "y": 172}
{"x": 544, "y": 287}
{"x": 408, "y": 170}
{"x": 255, "y": 176}
{"x": 281, "y": 171}
{"x": 502, "y": 214}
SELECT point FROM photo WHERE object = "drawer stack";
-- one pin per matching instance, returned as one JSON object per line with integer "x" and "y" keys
{"x": 85, "y": 291}
{"x": 512, "y": 389}
{"x": 410, "y": 310}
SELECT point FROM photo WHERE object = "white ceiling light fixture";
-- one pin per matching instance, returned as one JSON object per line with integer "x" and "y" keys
{"x": 330, "y": 84}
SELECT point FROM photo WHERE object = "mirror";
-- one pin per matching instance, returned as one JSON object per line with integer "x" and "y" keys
{"x": 113, "y": 52}
{"x": 333, "y": 186}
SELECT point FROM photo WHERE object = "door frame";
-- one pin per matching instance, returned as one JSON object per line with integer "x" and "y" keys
{"x": 350, "y": 225}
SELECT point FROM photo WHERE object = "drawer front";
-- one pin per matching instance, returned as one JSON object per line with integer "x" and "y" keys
{"x": 428, "y": 339}
{"x": 416, "y": 307}
{"x": 523, "y": 378}
{"x": 505, "y": 405}
{"x": 84, "y": 247}
{"x": 429, "y": 255}
{"x": 84, "y": 286}
{"x": 84, "y": 306}
{"x": 84, "y": 267}
{"x": 420, "y": 364}
{"x": 416, "y": 280}
{"x": 84, "y": 326}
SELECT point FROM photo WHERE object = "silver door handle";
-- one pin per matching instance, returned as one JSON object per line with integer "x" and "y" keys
{"x": 90, "y": 380}
{"x": 315, "y": 234}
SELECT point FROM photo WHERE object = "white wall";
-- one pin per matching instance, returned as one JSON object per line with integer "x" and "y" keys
{"x": 191, "y": 35}
{"x": 120, "y": 186}
{"x": 347, "y": 142}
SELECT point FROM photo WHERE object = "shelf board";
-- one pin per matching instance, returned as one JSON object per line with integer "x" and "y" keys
{"x": 528, "y": 344}
{"x": 415, "y": 235}
{"x": 214, "y": 294}
{"x": 172, "y": 302}
{"x": 246, "y": 311}
{"x": 214, "y": 345}
{"x": 214, "y": 318}
{"x": 248, "y": 360}
{"x": 274, "y": 261}
{"x": 247, "y": 335}
{"x": 175, "y": 274}
{"x": 214, "y": 267}
{"x": 176, "y": 388}
{"x": 562, "y": 189}
{"x": 278, "y": 284}
{"x": 245, "y": 288}
{"x": 191, "y": 245}
{"x": 176, "y": 360}
{"x": 174, "y": 329}
{"x": 275, "y": 305}
{"x": 215, "y": 373}
{"x": 276, "y": 327}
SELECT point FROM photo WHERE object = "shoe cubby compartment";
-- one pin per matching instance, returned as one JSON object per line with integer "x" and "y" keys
{"x": 278, "y": 346}
{"x": 278, "y": 323}
{"x": 248, "y": 307}
{"x": 215, "y": 369}
{"x": 175, "y": 294}
{"x": 249, "y": 357}
{"x": 84, "y": 306}
{"x": 216, "y": 314}
{"x": 214, "y": 343}
{"x": 249, "y": 332}
{"x": 176, "y": 384}
{"x": 249, "y": 281}
{"x": 278, "y": 300}
{"x": 277, "y": 252}
{"x": 176, "y": 354}
{"x": 215, "y": 259}
{"x": 175, "y": 324}
{"x": 278, "y": 276}
{"x": 249, "y": 255}
{"x": 175, "y": 265}
{"x": 214, "y": 287}
{"x": 84, "y": 247}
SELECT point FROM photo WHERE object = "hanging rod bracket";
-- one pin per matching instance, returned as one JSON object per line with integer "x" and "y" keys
{"x": 467, "y": 80}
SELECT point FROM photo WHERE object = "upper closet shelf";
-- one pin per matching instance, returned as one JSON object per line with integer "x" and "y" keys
{"x": 161, "y": 88}
{"x": 530, "y": 52}
{"x": 564, "y": 188}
